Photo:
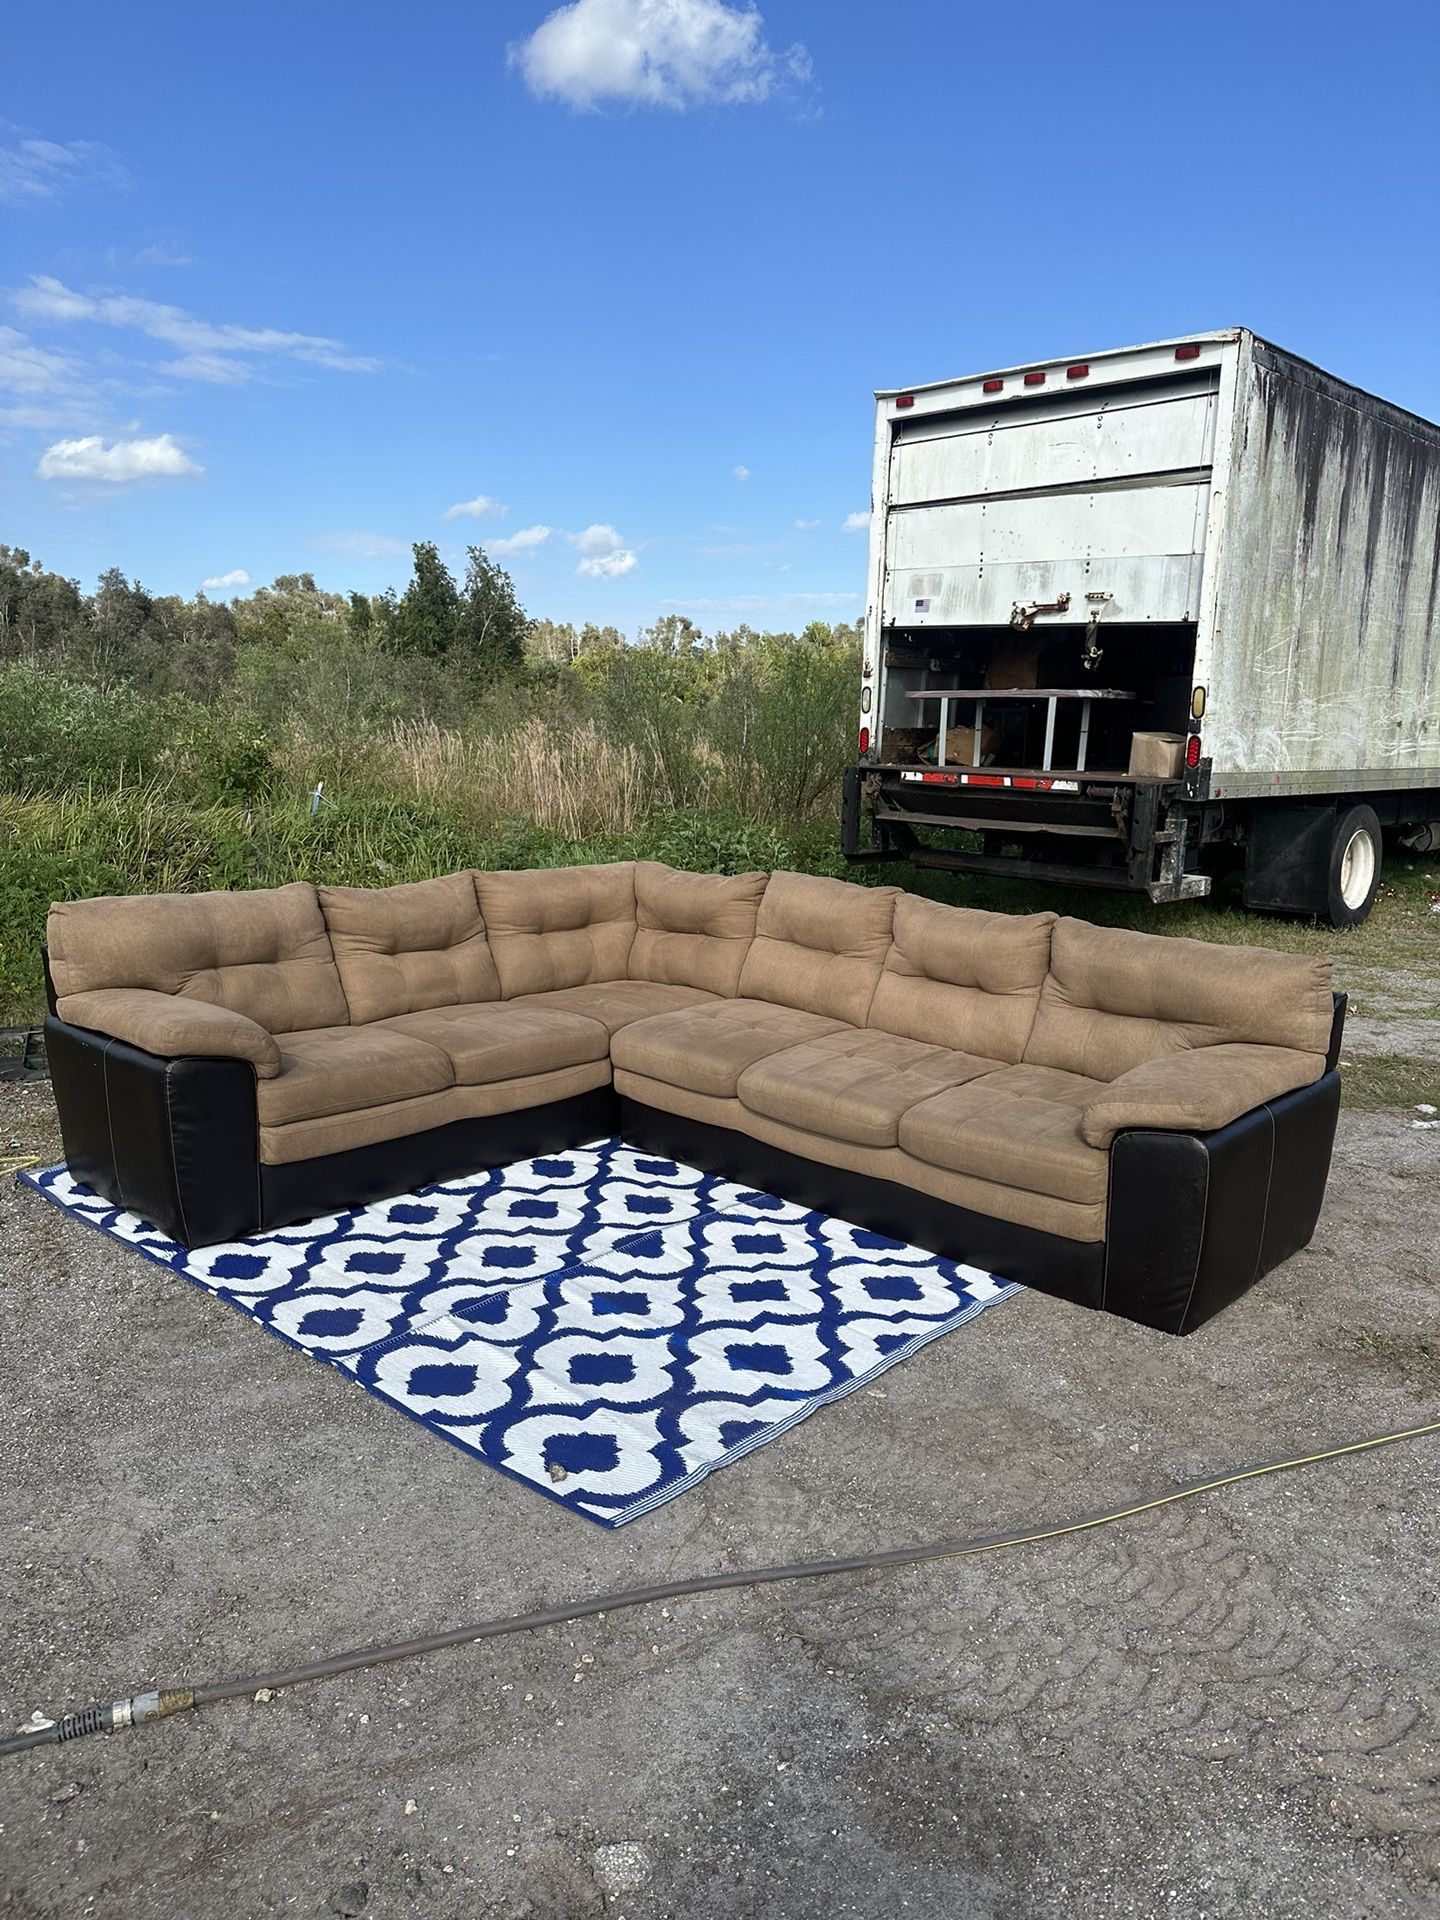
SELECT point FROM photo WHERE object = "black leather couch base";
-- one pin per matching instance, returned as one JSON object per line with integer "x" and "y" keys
{"x": 1069, "y": 1269}
{"x": 305, "y": 1188}
{"x": 1194, "y": 1219}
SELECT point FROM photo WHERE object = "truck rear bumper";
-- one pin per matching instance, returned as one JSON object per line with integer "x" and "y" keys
{"x": 1124, "y": 834}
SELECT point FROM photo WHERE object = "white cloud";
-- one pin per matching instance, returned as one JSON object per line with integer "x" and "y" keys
{"x": 741, "y": 473}
{"x": 807, "y": 526}
{"x": 857, "y": 522}
{"x": 161, "y": 257}
{"x": 604, "y": 554}
{"x": 655, "y": 53}
{"x": 220, "y": 582}
{"x": 482, "y": 507}
{"x": 608, "y": 566}
{"x": 217, "y": 368}
{"x": 37, "y": 170}
{"x": 362, "y": 546}
{"x": 90, "y": 459}
{"x": 596, "y": 539}
{"x": 524, "y": 541}
{"x": 199, "y": 342}
{"x": 26, "y": 368}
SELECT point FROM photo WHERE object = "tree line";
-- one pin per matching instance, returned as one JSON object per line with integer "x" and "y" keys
{"x": 473, "y": 630}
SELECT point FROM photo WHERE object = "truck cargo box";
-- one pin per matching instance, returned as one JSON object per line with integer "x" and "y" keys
{"x": 1206, "y": 536}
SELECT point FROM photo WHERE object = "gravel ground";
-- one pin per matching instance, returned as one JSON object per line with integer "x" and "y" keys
{"x": 1231, "y": 1707}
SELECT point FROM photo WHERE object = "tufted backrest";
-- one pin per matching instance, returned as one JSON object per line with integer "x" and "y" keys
{"x": 403, "y": 949}
{"x": 559, "y": 926}
{"x": 1113, "y": 999}
{"x": 819, "y": 945}
{"x": 265, "y": 954}
{"x": 693, "y": 929}
{"x": 964, "y": 979}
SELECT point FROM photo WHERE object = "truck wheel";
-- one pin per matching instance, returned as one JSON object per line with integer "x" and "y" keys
{"x": 1355, "y": 855}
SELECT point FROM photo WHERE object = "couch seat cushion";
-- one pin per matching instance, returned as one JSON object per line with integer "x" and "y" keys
{"x": 855, "y": 1086}
{"x": 1019, "y": 1127}
{"x": 327, "y": 1070}
{"x": 615, "y": 1003}
{"x": 705, "y": 1049}
{"x": 498, "y": 1040}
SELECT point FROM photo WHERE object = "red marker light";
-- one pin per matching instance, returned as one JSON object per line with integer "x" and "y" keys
{"x": 1187, "y": 353}
{"x": 1034, "y": 379}
{"x": 904, "y": 399}
{"x": 1076, "y": 373}
{"x": 993, "y": 386}
{"x": 864, "y": 740}
{"x": 1192, "y": 751}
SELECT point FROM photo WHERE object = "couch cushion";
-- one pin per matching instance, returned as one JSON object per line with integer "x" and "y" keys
{"x": 501, "y": 1040}
{"x": 337, "y": 1069}
{"x": 819, "y": 945}
{"x": 402, "y": 949}
{"x": 1019, "y": 1127}
{"x": 264, "y": 953}
{"x": 559, "y": 926}
{"x": 693, "y": 929}
{"x": 1113, "y": 999}
{"x": 615, "y": 1003}
{"x": 394, "y": 1120}
{"x": 1071, "y": 1218}
{"x": 707, "y": 1048}
{"x": 854, "y": 1086}
{"x": 963, "y": 978}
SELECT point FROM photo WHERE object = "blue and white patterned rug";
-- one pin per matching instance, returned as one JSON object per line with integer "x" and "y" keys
{"x": 606, "y": 1326}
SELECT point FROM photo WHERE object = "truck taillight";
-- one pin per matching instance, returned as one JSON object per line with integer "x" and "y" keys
{"x": 1034, "y": 379}
{"x": 1192, "y": 352}
{"x": 1077, "y": 373}
{"x": 904, "y": 399}
{"x": 1192, "y": 751}
{"x": 993, "y": 386}
{"x": 864, "y": 741}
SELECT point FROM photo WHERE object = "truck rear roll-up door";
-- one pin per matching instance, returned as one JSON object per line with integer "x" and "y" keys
{"x": 1066, "y": 493}
{"x": 968, "y": 564}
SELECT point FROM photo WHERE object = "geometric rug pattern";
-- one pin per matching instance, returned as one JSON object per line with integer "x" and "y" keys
{"x": 605, "y": 1325}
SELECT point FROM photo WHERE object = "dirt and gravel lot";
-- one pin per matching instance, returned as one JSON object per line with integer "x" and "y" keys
{"x": 1231, "y": 1707}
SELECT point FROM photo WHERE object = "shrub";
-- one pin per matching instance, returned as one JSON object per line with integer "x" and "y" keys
{"x": 57, "y": 734}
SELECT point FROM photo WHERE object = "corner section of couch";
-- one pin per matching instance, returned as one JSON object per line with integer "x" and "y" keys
{"x": 1122, "y": 1119}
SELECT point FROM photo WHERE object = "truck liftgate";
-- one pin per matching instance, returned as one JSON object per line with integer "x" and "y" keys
{"x": 1141, "y": 618}
{"x": 1098, "y": 832}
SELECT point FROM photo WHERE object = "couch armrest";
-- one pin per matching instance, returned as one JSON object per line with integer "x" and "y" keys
{"x": 1197, "y": 1090}
{"x": 173, "y": 1026}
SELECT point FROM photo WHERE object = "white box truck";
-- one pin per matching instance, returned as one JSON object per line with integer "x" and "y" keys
{"x": 1139, "y": 617}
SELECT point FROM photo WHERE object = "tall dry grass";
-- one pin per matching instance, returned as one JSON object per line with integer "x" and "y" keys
{"x": 571, "y": 780}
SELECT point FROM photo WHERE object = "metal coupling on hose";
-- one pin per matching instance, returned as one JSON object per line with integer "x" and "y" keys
{"x": 133, "y": 1712}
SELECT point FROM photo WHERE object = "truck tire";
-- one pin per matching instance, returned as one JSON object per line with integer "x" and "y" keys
{"x": 1355, "y": 854}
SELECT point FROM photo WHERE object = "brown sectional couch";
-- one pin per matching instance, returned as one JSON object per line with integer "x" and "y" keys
{"x": 1134, "y": 1122}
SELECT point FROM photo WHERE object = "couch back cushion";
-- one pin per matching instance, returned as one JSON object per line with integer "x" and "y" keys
{"x": 408, "y": 948}
{"x": 693, "y": 929}
{"x": 819, "y": 945}
{"x": 1114, "y": 999}
{"x": 555, "y": 927}
{"x": 265, "y": 954}
{"x": 962, "y": 978}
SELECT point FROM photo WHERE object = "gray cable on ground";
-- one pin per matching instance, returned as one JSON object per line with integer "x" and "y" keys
{"x": 159, "y": 1705}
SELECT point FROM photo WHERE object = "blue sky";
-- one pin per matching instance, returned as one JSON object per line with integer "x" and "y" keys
{"x": 284, "y": 285}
